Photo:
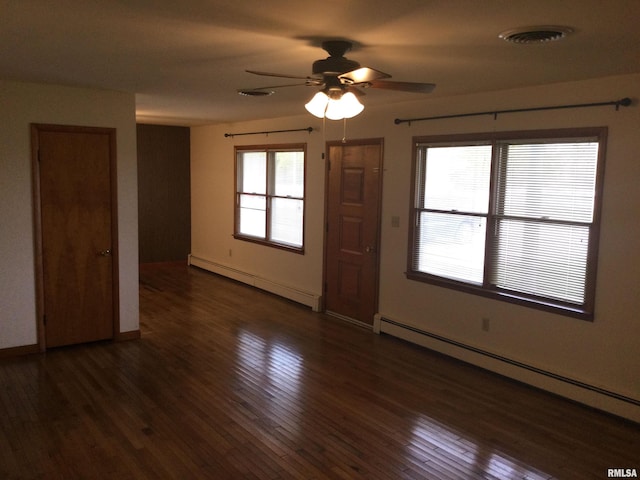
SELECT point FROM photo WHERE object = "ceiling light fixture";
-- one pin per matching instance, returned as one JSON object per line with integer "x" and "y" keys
{"x": 335, "y": 102}
{"x": 334, "y": 105}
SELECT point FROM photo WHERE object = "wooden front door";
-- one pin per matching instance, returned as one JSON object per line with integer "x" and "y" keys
{"x": 74, "y": 170}
{"x": 353, "y": 219}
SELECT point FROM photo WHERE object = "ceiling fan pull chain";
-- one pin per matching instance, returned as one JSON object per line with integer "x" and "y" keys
{"x": 324, "y": 134}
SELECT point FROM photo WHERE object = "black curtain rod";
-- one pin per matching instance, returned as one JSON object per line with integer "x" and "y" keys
{"x": 623, "y": 102}
{"x": 308, "y": 129}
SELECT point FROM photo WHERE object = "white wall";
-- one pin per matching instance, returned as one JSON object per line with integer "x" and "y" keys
{"x": 20, "y": 105}
{"x": 603, "y": 353}
{"x": 212, "y": 195}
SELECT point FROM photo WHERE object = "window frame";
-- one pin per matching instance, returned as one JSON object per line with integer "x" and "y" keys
{"x": 583, "y": 311}
{"x": 270, "y": 150}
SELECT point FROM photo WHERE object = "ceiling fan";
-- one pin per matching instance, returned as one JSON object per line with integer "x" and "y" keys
{"x": 341, "y": 81}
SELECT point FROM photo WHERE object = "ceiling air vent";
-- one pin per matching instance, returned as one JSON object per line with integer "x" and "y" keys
{"x": 541, "y": 34}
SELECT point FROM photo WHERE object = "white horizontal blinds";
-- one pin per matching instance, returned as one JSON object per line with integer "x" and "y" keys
{"x": 287, "y": 221}
{"x": 287, "y": 189}
{"x": 545, "y": 260}
{"x": 548, "y": 180}
{"x": 451, "y": 246}
{"x": 252, "y": 189}
{"x": 457, "y": 178}
{"x": 543, "y": 213}
{"x": 270, "y": 195}
{"x": 453, "y": 199}
{"x": 289, "y": 174}
{"x": 252, "y": 172}
{"x": 253, "y": 215}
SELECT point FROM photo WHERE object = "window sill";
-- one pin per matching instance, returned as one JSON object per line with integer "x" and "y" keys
{"x": 547, "y": 305}
{"x": 281, "y": 246}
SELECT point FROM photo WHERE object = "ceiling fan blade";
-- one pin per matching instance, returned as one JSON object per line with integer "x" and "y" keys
{"x": 280, "y": 75}
{"x": 265, "y": 91}
{"x": 275, "y": 86}
{"x": 363, "y": 75}
{"x": 413, "y": 87}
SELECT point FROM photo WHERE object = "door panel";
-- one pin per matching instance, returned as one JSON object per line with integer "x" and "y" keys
{"x": 353, "y": 206}
{"x": 75, "y": 168}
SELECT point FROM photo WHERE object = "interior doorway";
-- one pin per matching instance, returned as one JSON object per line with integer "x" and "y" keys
{"x": 354, "y": 188}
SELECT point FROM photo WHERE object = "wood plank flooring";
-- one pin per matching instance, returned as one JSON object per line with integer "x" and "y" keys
{"x": 228, "y": 382}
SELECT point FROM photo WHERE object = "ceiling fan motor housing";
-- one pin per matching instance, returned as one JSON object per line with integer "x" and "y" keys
{"x": 334, "y": 66}
{"x": 335, "y": 63}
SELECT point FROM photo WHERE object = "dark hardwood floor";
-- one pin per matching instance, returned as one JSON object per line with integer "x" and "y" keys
{"x": 230, "y": 382}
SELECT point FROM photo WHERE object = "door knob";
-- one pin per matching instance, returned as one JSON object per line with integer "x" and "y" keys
{"x": 369, "y": 249}
{"x": 105, "y": 253}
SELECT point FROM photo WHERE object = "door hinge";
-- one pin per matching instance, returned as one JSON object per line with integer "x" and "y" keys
{"x": 326, "y": 286}
{"x": 44, "y": 319}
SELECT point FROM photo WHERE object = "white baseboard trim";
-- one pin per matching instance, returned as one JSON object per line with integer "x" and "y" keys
{"x": 305, "y": 298}
{"x": 594, "y": 396}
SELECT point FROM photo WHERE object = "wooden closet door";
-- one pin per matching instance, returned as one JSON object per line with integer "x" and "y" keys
{"x": 76, "y": 190}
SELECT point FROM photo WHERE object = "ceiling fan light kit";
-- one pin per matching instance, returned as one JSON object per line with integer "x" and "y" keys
{"x": 340, "y": 79}
{"x": 334, "y": 106}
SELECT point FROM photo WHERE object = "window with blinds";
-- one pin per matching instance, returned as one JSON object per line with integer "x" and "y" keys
{"x": 270, "y": 195}
{"x": 514, "y": 216}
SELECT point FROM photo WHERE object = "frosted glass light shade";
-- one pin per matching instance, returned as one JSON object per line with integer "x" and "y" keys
{"x": 347, "y": 106}
{"x": 318, "y": 104}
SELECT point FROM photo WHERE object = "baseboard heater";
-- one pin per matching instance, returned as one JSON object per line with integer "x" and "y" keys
{"x": 305, "y": 298}
{"x": 515, "y": 363}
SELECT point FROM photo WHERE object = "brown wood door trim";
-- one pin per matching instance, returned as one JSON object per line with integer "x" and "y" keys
{"x": 36, "y": 129}
{"x": 357, "y": 142}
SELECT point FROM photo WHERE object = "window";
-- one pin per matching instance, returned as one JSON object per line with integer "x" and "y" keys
{"x": 270, "y": 195}
{"x": 514, "y": 216}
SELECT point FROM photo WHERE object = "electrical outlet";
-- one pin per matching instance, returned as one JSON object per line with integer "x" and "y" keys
{"x": 485, "y": 324}
{"x": 395, "y": 221}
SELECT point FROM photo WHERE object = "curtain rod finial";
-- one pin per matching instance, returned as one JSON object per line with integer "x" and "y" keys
{"x": 625, "y": 102}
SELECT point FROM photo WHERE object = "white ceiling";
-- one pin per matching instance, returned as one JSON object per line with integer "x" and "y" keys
{"x": 186, "y": 59}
